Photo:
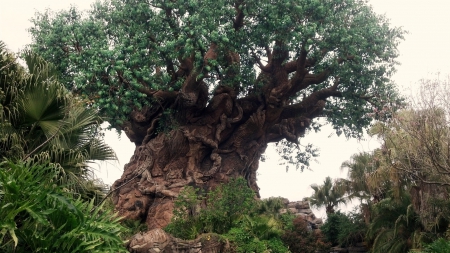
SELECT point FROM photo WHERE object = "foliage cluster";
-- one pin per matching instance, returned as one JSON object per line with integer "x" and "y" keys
{"x": 328, "y": 195}
{"x": 300, "y": 238}
{"x": 404, "y": 185}
{"x": 344, "y": 229}
{"x": 48, "y": 195}
{"x": 40, "y": 215}
{"x": 231, "y": 211}
{"x": 440, "y": 245}
{"x": 42, "y": 122}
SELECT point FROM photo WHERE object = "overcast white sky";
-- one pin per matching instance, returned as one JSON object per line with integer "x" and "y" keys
{"x": 425, "y": 51}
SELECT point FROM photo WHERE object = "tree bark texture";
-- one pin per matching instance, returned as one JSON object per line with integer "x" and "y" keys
{"x": 204, "y": 154}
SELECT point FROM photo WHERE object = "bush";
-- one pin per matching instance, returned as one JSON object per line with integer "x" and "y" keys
{"x": 440, "y": 245}
{"x": 224, "y": 206}
{"x": 344, "y": 230}
{"x": 39, "y": 215}
{"x": 302, "y": 239}
{"x": 231, "y": 211}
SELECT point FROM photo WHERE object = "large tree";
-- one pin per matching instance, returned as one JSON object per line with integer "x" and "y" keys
{"x": 201, "y": 87}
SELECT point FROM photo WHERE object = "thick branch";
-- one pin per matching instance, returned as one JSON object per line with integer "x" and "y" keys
{"x": 310, "y": 105}
{"x": 238, "y": 22}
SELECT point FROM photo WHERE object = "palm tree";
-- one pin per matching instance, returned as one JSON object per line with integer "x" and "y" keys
{"x": 41, "y": 121}
{"x": 329, "y": 195}
{"x": 367, "y": 178}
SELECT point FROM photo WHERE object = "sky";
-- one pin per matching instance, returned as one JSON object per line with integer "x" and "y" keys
{"x": 425, "y": 52}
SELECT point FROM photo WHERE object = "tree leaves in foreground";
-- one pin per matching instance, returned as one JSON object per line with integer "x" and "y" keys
{"x": 40, "y": 215}
{"x": 41, "y": 121}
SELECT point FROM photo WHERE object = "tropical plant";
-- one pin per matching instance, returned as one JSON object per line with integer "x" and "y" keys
{"x": 40, "y": 215}
{"x": 394, "y": 227}
{"x": 271, "y": 206}
{"x": 364, "y": 180}
{"x": 416, "y": 154}
{"x": 328, "y": 195}
{"x": 41, "y": 121}
{"x": 229, "y": 76}
{"x": 233, "y": 214}
{"x": 441, "y": 245}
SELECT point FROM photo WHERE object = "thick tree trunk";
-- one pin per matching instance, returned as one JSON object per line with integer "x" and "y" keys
{"x": 203, "y": 155}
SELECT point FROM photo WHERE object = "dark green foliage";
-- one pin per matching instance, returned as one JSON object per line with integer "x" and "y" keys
{"x": 224, "y": 205}
{"x": 394, "y": 226}
{"x": 231, "y": 211}
{"x": 441, "y": 245}
{"x": 344, "y": 229}
{"x": 40, "y": 121}
{"x": 228, "y": 203}
{"x": 302, "y": 239}
{"x": 331, "y": 228}
{"x": 256, "y": 234}
{"x": 40, "y": 215}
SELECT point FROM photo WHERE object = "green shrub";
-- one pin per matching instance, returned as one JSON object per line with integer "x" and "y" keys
{"x": 440, "y": 245}
{"x": 231, "y": 211}
{"x": 39, "y": 215}
{"x": 344, "y": 229}
{"x": 224, "y": 206}
{"x": 302, "y": 239}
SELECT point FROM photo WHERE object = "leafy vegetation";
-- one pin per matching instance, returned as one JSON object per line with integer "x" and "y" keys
{"x": 48, "y": 194}
{"x": 441, "y": 245}
{"x": 300, "y": 238}
{"x": 250, "y": 225}
{"x": 41, "y": 121}
{"x": 344, "y": 229}
{"x": 327, "y": 58}
{"x": 328, "y": 195}
{"x": 40, "y": 215}
{"x": 403, "y": 186}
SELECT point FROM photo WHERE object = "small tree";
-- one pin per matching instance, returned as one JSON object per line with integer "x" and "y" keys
{"x": 328, "y": 195}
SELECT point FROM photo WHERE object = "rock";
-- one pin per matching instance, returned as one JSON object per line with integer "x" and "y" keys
{"x": 304, "y": 216}
{"x": 152, "y": 241}
{"x": 156, "y": 240}
{"x": 311, "y": 217}
{"x": 318, "y": 221}
{"x": 305, "y": 211}
{"x": 291, "y": 205}
{"x": 302, "y": 205}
